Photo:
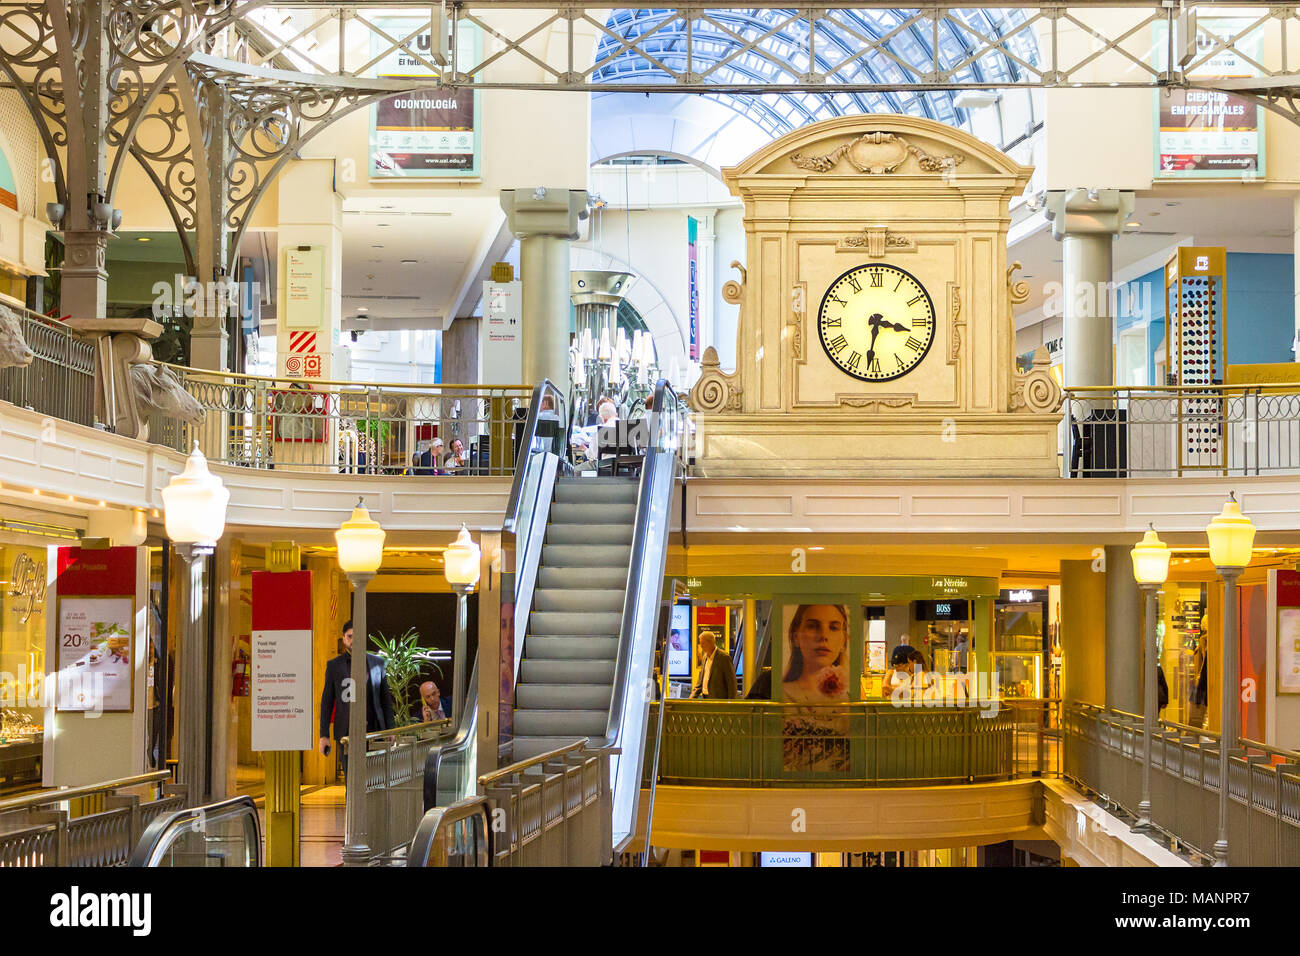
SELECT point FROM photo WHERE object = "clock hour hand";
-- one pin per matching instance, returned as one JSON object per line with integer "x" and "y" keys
{"x": 897, "y": 327}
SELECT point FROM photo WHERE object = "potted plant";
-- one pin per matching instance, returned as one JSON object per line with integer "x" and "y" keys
{"x": 404, "y": 660}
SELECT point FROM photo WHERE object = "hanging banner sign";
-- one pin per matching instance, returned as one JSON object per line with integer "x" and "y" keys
{"x": 429, "y": 132}
{"x": 281, "y": 692}
{"x": 1288, "y": 632}
{"x": 1209, "y": 133}
{"x": 96, "y": 629}
{"x": 693, "y": 283}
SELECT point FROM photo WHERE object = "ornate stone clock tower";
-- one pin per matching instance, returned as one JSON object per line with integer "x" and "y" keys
{"x": 876, "y": 337}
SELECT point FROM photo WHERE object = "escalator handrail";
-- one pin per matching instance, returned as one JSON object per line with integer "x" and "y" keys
{"x": 438, "y": 818}
{"x": 460, "y": 741}
{"x": 154, "y": 839}
{"x": 544, "y": 389}
{"x": 622, "y": 663}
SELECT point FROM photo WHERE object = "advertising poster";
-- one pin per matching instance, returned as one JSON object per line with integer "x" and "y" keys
{"x": 815, "y": 670}
{"x": 95, "y": 636}
{"x": 281, "y": 705}
{"x": 1208, "y": 133}
{"x": 429, "y": 132}
{"x": 679, "y": 641}
{"x": 95, "y": 653}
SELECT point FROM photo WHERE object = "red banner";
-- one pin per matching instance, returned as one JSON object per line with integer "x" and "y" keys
{"x": 281, "y": 600}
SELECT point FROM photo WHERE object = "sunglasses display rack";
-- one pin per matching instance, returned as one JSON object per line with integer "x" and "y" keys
{"x": 1195, "y": 301}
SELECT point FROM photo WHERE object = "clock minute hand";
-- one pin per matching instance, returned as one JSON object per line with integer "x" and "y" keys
{"x": 874, "y": 321}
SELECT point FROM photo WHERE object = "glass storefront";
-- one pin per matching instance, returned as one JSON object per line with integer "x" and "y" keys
{"x": 22, "y": 664}
{"x": 1019, "y": 642}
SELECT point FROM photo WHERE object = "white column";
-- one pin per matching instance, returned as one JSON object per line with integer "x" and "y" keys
{"x": 310, "y": 213}
{"x": 1086, "y": 221}
{"x": 546, "y": 221}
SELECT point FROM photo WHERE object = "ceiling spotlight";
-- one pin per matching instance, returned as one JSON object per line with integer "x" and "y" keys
{"x": 1132, "y": 225}
{"x": 539, "y": 193}
{"x": 1092, "y": 194}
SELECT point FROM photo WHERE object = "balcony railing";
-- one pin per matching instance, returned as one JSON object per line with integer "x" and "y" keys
{"x": 1103, "y": 754}
{"x": 744, "y": 743}
{"x": 60, "y": 381}
{"x": 348, "y": 427}
{"x": 1226, "y": 430}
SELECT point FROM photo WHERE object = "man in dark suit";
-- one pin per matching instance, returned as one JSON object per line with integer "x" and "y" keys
{"x": 717, "y": 679}
{"x": 334, "y": 704}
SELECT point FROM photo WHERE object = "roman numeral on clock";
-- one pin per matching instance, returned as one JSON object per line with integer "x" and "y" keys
{"x": 899, "y": 360}
{"x": 837, "y": 344}
{"x": 875, "y": 366}
{"x": 921, "y": 322}
{"x": 837, "y": 299}
{"x": 914, "y": 343}
{"x": 854, "y": 359}
{"x": 916, "y": 299}
{"x": 857, "y": 286}
{"x": 877, "y": 279}
{"x": 831, "y": 323}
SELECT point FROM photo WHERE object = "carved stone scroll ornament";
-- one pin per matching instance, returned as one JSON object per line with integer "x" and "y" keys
{"x": 875, "y": 404}
{"x": 715, "y": 390}
{"x": 877, "y": 154}
{"x": 1018, "y": 289}
{"x": 1037, "y": 391}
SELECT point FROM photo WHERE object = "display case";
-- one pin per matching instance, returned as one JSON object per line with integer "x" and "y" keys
{"x": 1195, "y": 303}
{"x": 1019, "y": 642}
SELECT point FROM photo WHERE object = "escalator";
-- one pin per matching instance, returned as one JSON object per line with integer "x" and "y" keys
{"x": 590, "y": 554}
{"x": 225, "y": 834}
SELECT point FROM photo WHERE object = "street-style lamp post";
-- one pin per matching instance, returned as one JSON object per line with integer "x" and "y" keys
{"x": 361, "y": 550}
{"x": 1151, "y": 569}
{"x": 460, "y": 563}
{"x": 194, "y": 512}
{"x": 1231, "y": 537}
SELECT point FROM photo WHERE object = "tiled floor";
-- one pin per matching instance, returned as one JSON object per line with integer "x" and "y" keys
{"x": 322, "y": 826}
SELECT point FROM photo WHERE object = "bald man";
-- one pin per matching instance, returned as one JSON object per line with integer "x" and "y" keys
{"x": 716, "y": 678}
{"x": 432, "y": 705}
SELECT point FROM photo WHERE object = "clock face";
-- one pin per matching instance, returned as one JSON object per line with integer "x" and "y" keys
{"x": 876, "y": 322}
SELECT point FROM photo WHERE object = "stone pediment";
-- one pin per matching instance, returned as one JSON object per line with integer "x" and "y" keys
{"x": 879, "y": 145}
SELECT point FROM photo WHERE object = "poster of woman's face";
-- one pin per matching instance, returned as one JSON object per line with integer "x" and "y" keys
{"x": 815, "y": 671}
{"x": 815, "y": 658}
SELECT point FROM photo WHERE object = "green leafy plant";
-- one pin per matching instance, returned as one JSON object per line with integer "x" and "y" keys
{"x": 404, "y": 660}
{"x": 376, "y": 429}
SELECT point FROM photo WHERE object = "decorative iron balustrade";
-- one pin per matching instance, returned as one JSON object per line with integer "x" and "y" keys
{"x": 60, "y": 381}
{"x": 347, "y": 427}
{"x": 859, "y": 744}
{"x": 1103, "y": 755}
{"x": 38, "y": 830}
{"x": 1182, "y": 430}
{"x": 394, "y": 771}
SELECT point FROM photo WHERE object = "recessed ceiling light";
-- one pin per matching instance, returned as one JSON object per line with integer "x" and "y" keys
{"x": 143, "y": 239}
{"x": 362, "y": 308}
{"x": 1132, "y": 225}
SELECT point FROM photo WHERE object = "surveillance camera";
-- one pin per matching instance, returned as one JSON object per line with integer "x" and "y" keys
{"x": 355, "y": 335}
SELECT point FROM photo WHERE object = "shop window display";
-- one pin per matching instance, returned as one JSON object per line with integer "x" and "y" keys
{"x": 22, "y": 666}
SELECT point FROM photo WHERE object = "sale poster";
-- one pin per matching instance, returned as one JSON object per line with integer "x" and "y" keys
{"x": 95, "y": 652}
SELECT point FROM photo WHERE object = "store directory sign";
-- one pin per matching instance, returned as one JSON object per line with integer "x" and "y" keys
{"x": 281, "y": 691}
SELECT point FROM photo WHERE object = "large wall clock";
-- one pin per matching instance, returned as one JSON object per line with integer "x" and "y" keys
{"x": 876, "y": 322}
